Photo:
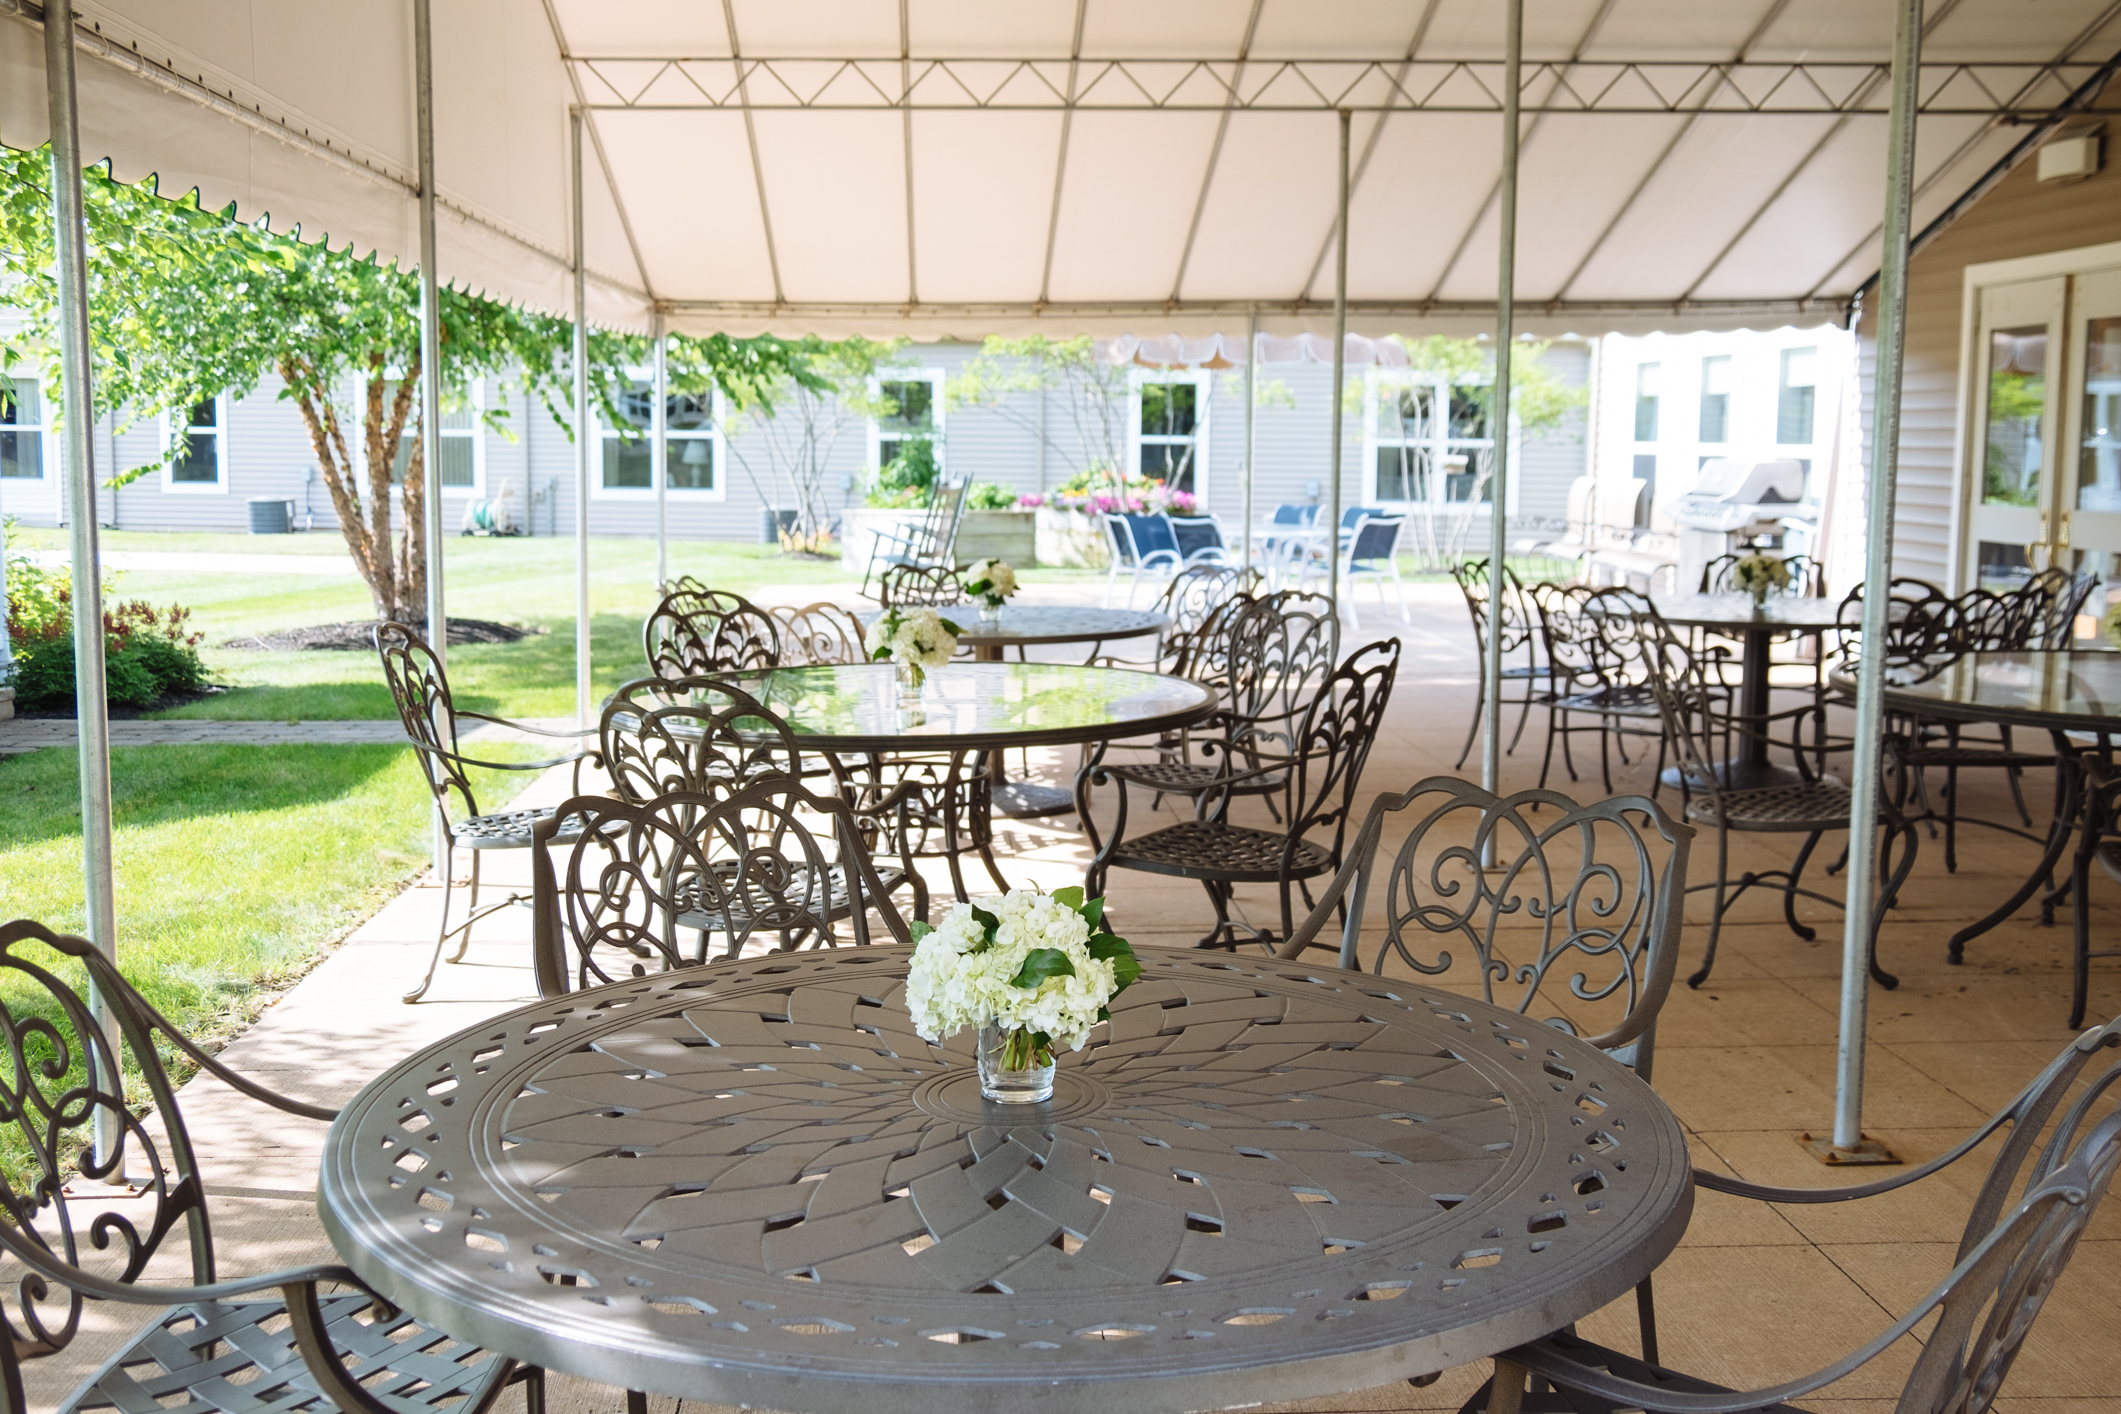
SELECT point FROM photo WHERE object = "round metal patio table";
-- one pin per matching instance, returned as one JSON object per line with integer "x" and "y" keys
{"x": 1736, "y": 616}
{"x": 753, "y": 1183}
{"x": 1040, "y": 625}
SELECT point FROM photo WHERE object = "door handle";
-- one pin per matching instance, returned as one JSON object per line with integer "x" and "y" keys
{"x": 2062, "y": 540}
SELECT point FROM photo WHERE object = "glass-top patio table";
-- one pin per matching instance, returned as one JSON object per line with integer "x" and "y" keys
{"x": 754, "y": 1184}
{"x": 1040, "y": 625}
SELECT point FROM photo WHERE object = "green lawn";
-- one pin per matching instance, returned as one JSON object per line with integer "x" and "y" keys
{"x": 234, "y": 865}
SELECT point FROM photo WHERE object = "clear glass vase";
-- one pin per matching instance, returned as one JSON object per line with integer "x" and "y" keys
{"x": 910, "y": 675}
{"x": 1007, "y": 1069}
{"x": 990, "y": 612}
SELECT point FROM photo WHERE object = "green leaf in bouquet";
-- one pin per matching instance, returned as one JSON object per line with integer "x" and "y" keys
{"x": 951, "y": 627}
{"x": 1041, "y": 964}
{"x": 987, "y": 922}
{"x": 1070, "y": 897}
{"x": 919, "y": 930}
{"x": 1093, "y": 913}
{"x": 1126, "y": 967}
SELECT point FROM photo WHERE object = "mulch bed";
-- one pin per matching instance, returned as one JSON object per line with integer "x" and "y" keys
{"x": 357, "y": 637}
{"x": 64, "y": 711}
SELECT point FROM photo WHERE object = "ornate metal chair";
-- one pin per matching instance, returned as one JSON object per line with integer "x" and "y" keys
{"x": 1593, "y": 677}
{"x": 2099, "y": 842}
{"x": 1696, "y": 714}
{"x": 705, "y": 737}
{"x": 1315, "y": 777}
{"x": 818, "y": 634}
{"x": 920, "y": 587}
{"x": 221, "y": 1346}
{"x": 687, "y": 635}
{"x": 1580, "y": 894}
{"x": 1268, "y": 662}
{"x": 2011, "y": 1254}
{"x": 1520, "y": 634}
{"x": 768, "y": 865}
{"x": 429, "y": 715}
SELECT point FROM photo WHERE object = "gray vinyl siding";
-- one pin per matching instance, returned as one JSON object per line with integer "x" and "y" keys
{"x": 2019, "y": 218}
{"x": 1550, "y": 461}
{"x": 269, "y": 455}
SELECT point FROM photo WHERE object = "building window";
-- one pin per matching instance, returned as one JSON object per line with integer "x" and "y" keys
{"x": 626, "y": 445}
{"x": 907, "y": 410}
{"x": 1793, "y": 406}
{"x": 1167, "y": 434}
{"x": 462, "y": 445}
{"x": 199, "y": 450}
{"x": 688, "y": 421}
{"x": 1646, "y": 383}
{"x": 22, "y": 432}
{"x": 1716, "y": 398}
{"x": 1428, "y": 440}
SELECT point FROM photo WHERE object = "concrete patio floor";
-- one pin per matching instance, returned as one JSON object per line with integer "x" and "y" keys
{"x": 1754, "y": 1295}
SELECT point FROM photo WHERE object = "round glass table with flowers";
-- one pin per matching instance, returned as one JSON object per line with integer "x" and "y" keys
{"x": 758, "y": 1183}
{"x": 919, "y": 640}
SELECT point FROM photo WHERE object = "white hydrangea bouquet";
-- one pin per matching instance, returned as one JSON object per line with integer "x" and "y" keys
{"x": 1036, "y": 972}
{"x": 991, "y": 582}
{"x": 915, "y": 639}
{"x": 1758, "y": 573}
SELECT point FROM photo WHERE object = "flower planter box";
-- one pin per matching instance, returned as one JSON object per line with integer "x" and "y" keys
{"x": 983, "y": 535}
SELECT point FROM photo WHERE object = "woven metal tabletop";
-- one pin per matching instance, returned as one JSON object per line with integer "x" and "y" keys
{"x": 753, "y": 1183}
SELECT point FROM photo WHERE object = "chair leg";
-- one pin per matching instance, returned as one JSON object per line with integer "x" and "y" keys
{"x": 1480, "y": 711}
{"x": 471, "y": 912}
{"x": 1646, "y": 1318}
{"x": 1894, "y": 878}
{"x": 1723, "y": 873}
{"x": 2080, "y": 914}
{"x": 1789, "y": 894}
{"x": 441, "y": 933}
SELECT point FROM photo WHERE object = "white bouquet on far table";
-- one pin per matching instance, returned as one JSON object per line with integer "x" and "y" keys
{"x": 1760, "y": 574}
{"x": 1039, "y": 968}
{"x": 915, "y": 639}
{"x": 990, "y": 581}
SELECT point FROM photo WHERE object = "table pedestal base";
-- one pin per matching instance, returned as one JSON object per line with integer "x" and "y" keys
{"x": 1021, "y": 800}
{"x": 1744, "y": 775}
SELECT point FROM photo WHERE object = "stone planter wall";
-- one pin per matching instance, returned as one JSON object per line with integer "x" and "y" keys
{"x": 998, "y": 535}
{"x": 1071, "y": 538}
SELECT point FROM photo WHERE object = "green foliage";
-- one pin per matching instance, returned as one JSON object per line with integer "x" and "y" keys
{"x": 1094, "y": 394}
{"x": 185, "y": 304}
{"x": 908, "y": 478}
{"x": 989, "y": 496}
{"x": 147, "y": 653}
{"x": 1539, "y": 399}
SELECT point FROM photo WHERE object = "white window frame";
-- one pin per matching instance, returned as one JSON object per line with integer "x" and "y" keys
{"x": 873, "y": 454}
{"x": 717, "y": 409}
{"x": 171, "y": 432}
{"x": 46, "y": 447}
{"x": 656, "y": 471}
{"x": 1203, "y": 384}
{"x": 477, "y": 433}
{"x": 1440, "y": 445}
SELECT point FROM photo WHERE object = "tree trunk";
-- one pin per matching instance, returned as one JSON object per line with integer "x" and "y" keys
{"x": 396, "y": 575}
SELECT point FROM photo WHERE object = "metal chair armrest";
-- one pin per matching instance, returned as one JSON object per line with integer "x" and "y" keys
{"x": 526, "y": 727}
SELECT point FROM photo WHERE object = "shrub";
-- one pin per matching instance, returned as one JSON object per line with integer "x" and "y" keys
{"x": 148, "y": 653}
{"x": 905, "y": 480}
{"x": 989, "y": 496}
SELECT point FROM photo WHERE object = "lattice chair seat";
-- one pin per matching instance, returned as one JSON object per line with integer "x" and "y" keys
{"x": 1193, "y": 777}
{"x": 1803, "y": 807}
{"x": 1620, "y": 700}
{"x": 504, "y": 829}
{"x": 750, "y": 907}
{"x": 241, "y": 1358}
{"x": 1207, "y": 849}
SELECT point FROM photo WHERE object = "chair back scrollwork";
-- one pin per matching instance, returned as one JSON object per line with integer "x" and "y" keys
{"x": 817, "y": 635}
{"x": 700, "y": 735}
{"x": 770, "y": 865}
{"x": 687, "y": 637}
{"x": 70, "y": 1116}
{"x": 920, "y": 587}
{"x": 419, "y": 688}
{"x": 1579, "y": 917}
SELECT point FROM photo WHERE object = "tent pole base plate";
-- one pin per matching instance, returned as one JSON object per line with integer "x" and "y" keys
{"x": 1867, "y": 1151}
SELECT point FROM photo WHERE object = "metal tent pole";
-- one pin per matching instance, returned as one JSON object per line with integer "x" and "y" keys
{"x": 1340, "y": 359}
{"x": 430, "y": 330}
{"x": 1251, "y": 404}
{"x": 659, "y": 436}
{"x": 1499, "y": 406}
{"x": 430, "y": 369}
{"x": 77, "y": 446}
{"x": 582, "y": 703}
{"x": 1878, "y": 539}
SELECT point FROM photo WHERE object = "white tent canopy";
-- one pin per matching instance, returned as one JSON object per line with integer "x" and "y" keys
{"x": 941, "y": 168}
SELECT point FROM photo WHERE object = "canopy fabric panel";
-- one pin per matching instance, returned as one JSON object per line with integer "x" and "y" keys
{"x": 946, "y": 168}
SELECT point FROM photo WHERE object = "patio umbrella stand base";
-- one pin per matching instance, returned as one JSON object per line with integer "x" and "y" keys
{"x": 1866, "y": 1151}
{"x": 1021, "y": 801}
